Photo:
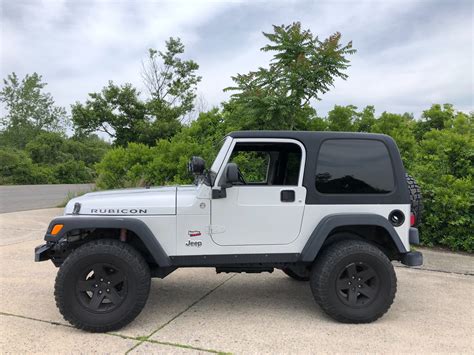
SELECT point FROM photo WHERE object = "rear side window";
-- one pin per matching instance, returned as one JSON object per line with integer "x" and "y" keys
{"x": 354, "y": 166}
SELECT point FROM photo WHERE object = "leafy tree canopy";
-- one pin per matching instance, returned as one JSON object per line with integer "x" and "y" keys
{"x": 116, "y": 111}
{"x": 28, "y": 110}
{"x": 302, "y": 69}
{"x": 169, "y": 79}
{"x": 119, "y": 112}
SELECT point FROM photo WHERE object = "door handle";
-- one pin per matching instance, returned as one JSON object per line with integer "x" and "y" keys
{"x": 287, "y": 196}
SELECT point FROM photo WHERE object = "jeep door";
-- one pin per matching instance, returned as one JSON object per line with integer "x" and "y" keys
{"x": 266, "y": 205}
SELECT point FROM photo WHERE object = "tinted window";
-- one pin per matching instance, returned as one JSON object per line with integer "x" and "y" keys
{"x": 354, "y": 166}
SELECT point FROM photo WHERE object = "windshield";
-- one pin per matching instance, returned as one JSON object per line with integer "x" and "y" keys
{"x": 216, "y": 165}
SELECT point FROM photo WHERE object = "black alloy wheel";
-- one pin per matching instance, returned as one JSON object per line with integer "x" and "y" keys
{"x": 357, "y": 284}
{"x": 101, "y": 287}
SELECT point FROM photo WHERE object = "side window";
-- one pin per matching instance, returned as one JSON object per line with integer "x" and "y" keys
{"x": 253, "y": 165}
{"x": 354, "y": 166}
{"x": 268, "y": 163}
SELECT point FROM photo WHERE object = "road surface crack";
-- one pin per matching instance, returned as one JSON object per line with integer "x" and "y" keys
{"x": 147, "y": 338}
{"x": 140, "y": 340}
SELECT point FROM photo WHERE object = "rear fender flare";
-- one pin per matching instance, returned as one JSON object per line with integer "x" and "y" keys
{"x": 329, "y": 223}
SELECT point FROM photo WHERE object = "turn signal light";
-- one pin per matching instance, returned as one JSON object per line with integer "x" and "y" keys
{"x": 57, "y": 228}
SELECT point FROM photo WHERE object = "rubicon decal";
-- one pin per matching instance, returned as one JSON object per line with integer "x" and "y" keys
{"x": 194, "y": 233}
{"x": 119, "y": 211}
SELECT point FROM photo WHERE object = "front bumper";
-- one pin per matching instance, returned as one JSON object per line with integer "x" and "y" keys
{"x": 42, "y": 252}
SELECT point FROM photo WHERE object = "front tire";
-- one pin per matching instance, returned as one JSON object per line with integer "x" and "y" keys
{"x": 353, "y": 282}
{"x": 102, "y": 285}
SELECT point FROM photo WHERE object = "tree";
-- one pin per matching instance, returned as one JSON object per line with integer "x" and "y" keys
{"x": 169, "y": 79}
{"x": 119, "y": 112}
{"x": 401, "y": 129}
{"x": 116, "y": 111}
{"x": 51, "y": 148}
{"x": 342, "y": 118}
{"x": 366, "y": 120}
{"x": 48, "y": 148}
{"x": 28, "y": 110}
{"x": 302, "y": 69}
{"x": 436, "y": 117}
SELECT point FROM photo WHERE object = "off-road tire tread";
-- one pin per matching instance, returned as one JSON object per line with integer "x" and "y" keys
{"x": 325, "y": 263}
{"x": 416, "y": 198}
{"x": 104, "y": 246}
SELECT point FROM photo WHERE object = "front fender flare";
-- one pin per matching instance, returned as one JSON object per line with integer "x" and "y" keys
{"x": 328, "y": 223}
{"x": 132, "y": 224}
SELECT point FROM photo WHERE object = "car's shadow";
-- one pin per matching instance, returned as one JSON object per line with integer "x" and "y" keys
{"x": 240, "y": 292}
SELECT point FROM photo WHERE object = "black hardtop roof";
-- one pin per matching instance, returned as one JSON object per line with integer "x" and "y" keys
{"x": 309, "y": 135}
{"x": 312, "y": 141}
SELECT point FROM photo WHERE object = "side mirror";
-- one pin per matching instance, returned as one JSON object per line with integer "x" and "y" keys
{"x": 229, "y": 177}
{"x": 231, "y": 174}
{"x": 196, "y": 165}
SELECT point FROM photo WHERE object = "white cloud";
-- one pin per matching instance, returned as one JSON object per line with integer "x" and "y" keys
{"x": 410, "y": 53}
{"x": 78, "y": 47}
{"x": 409, "y": 76}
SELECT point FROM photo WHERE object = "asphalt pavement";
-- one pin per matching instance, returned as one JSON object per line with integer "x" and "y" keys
{"x": 28, "y": 197}
{"x": 198, "y": 311}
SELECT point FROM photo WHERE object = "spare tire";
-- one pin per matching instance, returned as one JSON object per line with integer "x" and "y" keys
{"x": 415, "y": 198}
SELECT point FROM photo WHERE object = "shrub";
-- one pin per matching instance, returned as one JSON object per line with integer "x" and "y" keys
{"x": 90, "y": 149}
{"x": 16, "y": 167}
{"x": 165, "y": 163}
{"x": 48, "y": 148}
{"x": 445, "y": 170}
{"x": 73, "y": 172}
{"x": 124, "y": 167}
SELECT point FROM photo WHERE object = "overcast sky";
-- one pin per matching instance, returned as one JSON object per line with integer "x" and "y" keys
{"x": 410, "y": 54}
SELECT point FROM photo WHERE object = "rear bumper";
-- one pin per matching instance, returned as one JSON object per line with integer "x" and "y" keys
{"x": 414, "y": 236}
{"x": 412, "y": 258}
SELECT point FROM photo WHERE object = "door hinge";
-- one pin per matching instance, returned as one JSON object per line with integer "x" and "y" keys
{"x": 216, "y": 229}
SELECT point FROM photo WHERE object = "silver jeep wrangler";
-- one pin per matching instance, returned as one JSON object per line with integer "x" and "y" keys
{"x": 333, "y": 209}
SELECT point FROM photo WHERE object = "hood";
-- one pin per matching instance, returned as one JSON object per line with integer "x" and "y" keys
{"x": 152, "y": 201}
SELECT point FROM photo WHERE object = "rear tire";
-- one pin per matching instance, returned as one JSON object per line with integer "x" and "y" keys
{"x": 353, "y": 282}
{"x": 102, "y": 285}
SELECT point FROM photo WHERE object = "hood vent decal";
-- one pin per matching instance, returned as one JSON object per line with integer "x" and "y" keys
{"x": 77, "y": 208}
